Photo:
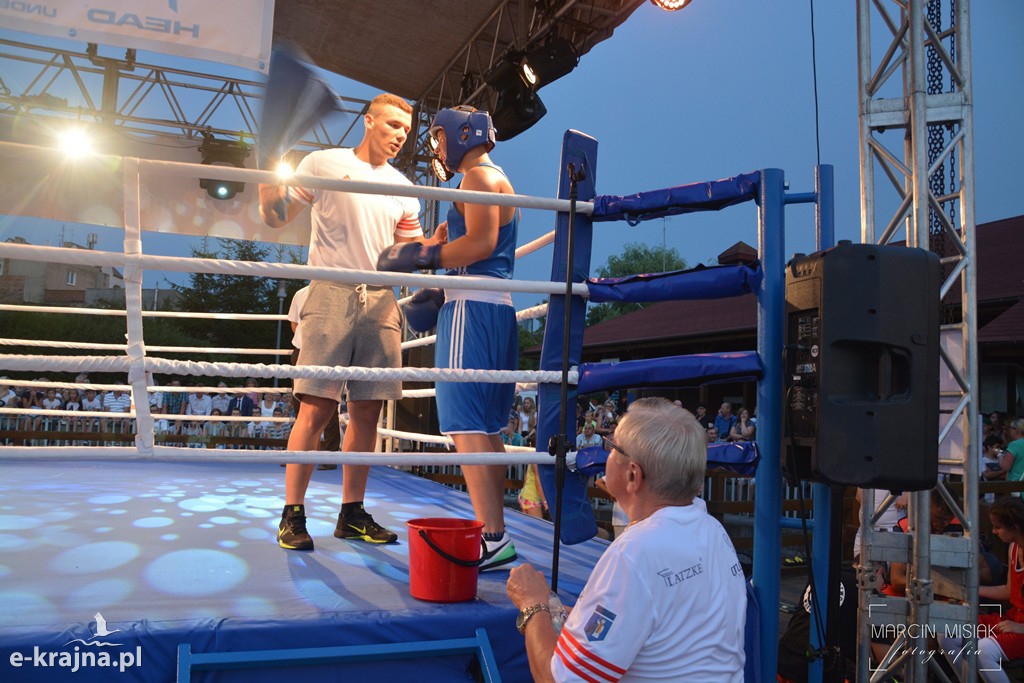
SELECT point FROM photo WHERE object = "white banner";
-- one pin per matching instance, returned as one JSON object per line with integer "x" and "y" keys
{"x": 236, "y": 32}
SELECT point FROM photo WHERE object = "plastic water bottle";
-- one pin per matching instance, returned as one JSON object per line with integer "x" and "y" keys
{"x": 558, "y": 613}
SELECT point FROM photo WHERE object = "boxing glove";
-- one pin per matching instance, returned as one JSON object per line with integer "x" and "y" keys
{"x": 409, "y": 256}
{"x": 422, "y": 309}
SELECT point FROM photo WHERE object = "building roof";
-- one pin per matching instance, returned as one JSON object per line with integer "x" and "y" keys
{"x": 1000, "y": 278}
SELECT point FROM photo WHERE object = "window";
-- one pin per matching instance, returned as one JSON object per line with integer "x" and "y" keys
{"x": 72, "y": 277}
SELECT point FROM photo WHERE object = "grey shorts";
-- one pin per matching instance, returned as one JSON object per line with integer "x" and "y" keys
{"x": 350, "y": 326}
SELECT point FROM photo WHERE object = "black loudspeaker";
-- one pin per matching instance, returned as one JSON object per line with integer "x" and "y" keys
{"x": 417, "y": 414}
{"x": 861, "y": 405}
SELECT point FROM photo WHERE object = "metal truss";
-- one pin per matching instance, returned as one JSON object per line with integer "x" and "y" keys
{"x": 916, "y": 123}
{"x": 144, "y": 99}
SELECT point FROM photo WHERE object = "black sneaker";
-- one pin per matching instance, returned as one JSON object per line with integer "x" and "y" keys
{"x": 361, "y": 527}
{"x": 291, "y": 532}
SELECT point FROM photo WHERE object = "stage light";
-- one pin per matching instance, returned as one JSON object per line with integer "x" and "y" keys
{"x": 75, "y": 142}
{"x": 284, "y": 170}
{"x": 548, "y": 62}
{"x": 670, "y": 5}
{"x": 222, "y": 153}
{"x": 517, "y": 109}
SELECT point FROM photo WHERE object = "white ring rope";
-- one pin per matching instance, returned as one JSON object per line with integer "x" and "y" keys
{"x": 205, "y": 455}
{"x": 120, "y": 312}
{"x": 292, "y": 271}
{"x": 53, "y": 344}
{"x": 132, "y": 415}
{"x": 247, "y": 175}
{"x": 199, "y": 368}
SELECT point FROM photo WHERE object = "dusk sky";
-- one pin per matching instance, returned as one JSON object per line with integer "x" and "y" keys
{"x": 720, "y": 88}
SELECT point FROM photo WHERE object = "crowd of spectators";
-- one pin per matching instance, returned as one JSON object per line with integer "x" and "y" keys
{"x": 204, "y": 407}
{"x": 1002, "y": 456}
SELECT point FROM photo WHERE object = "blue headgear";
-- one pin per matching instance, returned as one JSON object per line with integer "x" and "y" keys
{"x": 464, "y": 129}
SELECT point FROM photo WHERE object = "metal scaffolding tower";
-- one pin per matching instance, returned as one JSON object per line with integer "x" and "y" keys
{"x": 916, "y": 127}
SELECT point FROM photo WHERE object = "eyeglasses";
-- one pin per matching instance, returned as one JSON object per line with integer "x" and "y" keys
{"x": 610, "y": 445}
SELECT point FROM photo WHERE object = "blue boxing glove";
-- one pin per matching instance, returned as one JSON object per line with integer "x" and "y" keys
{"x": 409, "y": 256}
{"x": 422, "y": 309}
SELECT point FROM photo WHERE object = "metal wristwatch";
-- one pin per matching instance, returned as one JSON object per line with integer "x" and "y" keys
{"x": 526, "y": 614}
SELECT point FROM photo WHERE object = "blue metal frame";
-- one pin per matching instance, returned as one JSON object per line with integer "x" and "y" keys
{"x": 480, "y": 645}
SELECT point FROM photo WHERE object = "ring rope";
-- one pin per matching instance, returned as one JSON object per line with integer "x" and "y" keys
{"x": 245, "y": 175}
{"x": 96, "y": 346}
{"x": 120, "y": 312}
{"x": 132, "y": 415}
{"x": 202, "y": 368}
{"x": 283, "y": 270}
{"x": 207, "y": 455}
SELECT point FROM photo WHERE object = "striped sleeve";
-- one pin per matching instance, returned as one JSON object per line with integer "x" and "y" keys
{"x": 582, "y": 663}
{"x": 409, "y": 224}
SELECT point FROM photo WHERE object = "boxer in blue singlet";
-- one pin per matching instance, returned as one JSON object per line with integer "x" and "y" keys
{"x": 475, "y": 329}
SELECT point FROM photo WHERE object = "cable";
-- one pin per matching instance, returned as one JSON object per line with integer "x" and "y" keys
{"x": 814, "y": 67}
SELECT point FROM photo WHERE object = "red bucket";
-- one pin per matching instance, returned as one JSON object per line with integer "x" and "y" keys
{"x": 444, "y": 554}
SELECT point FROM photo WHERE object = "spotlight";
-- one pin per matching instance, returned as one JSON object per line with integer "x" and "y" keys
{"x": 75, "y": 142}
{"x": 284, "y": 170}
{"x": 670, "y": 5}
{"x": 548, "y": 62}
{"x": 222, "y": 153}
{"x": 506, "y": 72}
{"x": 517, "y": 109}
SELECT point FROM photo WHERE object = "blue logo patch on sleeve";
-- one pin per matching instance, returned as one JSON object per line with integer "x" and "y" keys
{"x": 600, "y": 624}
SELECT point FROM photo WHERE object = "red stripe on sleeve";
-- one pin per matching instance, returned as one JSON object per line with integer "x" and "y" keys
{"x": 576, "y": 645}
{"x": 573, "y": 668}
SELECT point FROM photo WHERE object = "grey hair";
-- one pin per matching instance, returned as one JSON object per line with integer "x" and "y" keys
{"x": 1018, "y": 424}
{"x": 669, "y": 445}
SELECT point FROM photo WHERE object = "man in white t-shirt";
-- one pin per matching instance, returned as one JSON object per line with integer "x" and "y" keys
{"x": 667, "y": 600}
{"x": 347, "y": 325}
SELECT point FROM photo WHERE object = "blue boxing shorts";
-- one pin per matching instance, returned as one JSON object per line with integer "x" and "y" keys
{"x": 481, "y": 336}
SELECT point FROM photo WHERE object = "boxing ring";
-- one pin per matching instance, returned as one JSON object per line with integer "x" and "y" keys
{"x": 175, "y": 545}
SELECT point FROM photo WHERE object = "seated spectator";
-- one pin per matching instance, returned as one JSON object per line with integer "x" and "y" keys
{"x": 510, "y": 435}
{"x": 1012, "y": 460}
{"x": 214, "y": 427}
{"x": 743, "y": 428}
{"x": 712, "y": 434}
{"x": 677, "y": 608}
{"x": 175, "y": 402}
{"x": 277, "y": 430}
{"x": 724, "y": 421}
{"x": 199, "y": 404}
{"x": 992, "y": 458}
{"x": 50, "y": 401}
{"x": 220, "y": 401}
{"x": 8, "y": 397}
{"x": 91, "y": 401}
{"x": 74, "y": 401}
{"x": 589, "y": 437}
{"x": 702, "y": 415}
{"x": 116, "y": 401}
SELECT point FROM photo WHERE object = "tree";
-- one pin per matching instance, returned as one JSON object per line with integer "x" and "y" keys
{"x": 635, "y": 259}
{"x": 216, "y": 293}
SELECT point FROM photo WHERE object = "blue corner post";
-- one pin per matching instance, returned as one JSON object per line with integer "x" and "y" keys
{"x": 768, "y": 500}
{"x": 580, "y": 150}
{"x": 821, "y": 494}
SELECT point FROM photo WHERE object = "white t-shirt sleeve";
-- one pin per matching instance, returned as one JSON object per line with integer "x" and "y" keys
{"x": 409, "y": 224}
{"x": 300, "y": 194}
{"x": 607, "y": 627}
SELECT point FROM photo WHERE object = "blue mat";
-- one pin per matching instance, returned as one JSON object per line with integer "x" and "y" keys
{"x": 174, "y": 553}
